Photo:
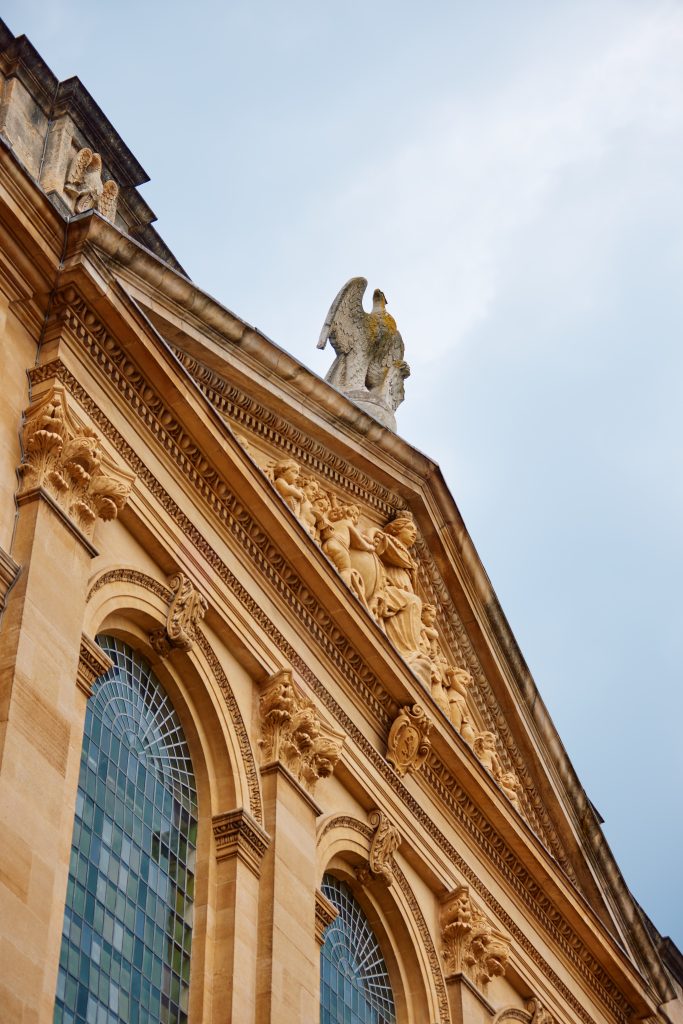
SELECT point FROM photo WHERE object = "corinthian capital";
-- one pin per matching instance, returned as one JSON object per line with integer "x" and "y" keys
{"x": 471, "y": 945}
{"x": 65, "y": 459}
{"x": 292, "y": 732}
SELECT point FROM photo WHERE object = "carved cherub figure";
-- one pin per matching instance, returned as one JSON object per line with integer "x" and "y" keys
{"x": 339, "y": 534}
{"x": 286, "y": 474}
{"x": 459, "y": 680}
{"x": 508, "y": 783}
{"x": 308, "y": 513}
{"x": 485, "y": 749}
{"x": 432, "y": 648}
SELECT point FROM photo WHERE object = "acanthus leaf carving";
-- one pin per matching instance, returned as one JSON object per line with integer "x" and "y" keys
{"x": 471, "y": 945}
{"x": 187, "y": 609}
{"x": 293, "y": 733}
{"x": 385, "y": 842}
{"x": 65, "y": 458}
{"x": 408, "y": 742}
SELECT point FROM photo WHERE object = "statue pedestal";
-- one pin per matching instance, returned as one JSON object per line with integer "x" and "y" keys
{"x": 371, "y": 404}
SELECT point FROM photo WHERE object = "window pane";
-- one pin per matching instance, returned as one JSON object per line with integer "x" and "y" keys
{"x": 354, "y": 982}
{"x": 127, "y": 900}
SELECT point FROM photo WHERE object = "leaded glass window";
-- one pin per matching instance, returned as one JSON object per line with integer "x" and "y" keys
{"x": 127, "y": 935}
{"x": 354, "y": 981}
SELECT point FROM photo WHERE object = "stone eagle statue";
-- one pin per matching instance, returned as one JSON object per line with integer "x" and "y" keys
{"x": 369, "y": 368}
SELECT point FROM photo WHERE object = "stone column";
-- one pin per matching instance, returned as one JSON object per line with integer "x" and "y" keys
{"x": 298, "y": 751}
{"x": 46, "y": 668}
{"x": 241, "y": 844}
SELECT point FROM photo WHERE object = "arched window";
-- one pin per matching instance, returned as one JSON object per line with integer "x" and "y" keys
{"x": 128, "y": 919}
{"x": 354, "y": 981}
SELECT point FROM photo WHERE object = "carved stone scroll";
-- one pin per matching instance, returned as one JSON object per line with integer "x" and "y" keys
{"x": 237, "y": 834}
{"x": 65, "y": 459}
{"x": 408, "y": 742}
{"x": 384, "y": 844}
{"x": 539, "y": 1014}
{"x": 186, "y": 611}
{"x": 92, "y": 663}
{"x": 292, "y": 732}
{"x": 325, "y": 914}
{"x": 471, "y": 945}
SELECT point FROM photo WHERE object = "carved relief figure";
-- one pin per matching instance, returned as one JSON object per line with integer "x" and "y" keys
{"x": 339, "y": 534}
{"x": 369, "y": 366}
{"x": 439, "y": 665}
{"x": 286, "y": 480}
{"x": 459, "y": 679}
{"x": 485, "y": 749}
{"x": 84, "y": 183}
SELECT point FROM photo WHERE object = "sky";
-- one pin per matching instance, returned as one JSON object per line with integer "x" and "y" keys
{"x": 509, "y": 174}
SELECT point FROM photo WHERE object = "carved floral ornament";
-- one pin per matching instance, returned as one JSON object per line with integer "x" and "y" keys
{"x": 65, "y": 459}
{"x": 471, "y": 945}
{"x": 292, "y": 732}
{"x": 186, "y": 611}
{"x": 378, "y": 566}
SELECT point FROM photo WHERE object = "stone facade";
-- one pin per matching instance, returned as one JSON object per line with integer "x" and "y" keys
{"x": 302, "y": 585}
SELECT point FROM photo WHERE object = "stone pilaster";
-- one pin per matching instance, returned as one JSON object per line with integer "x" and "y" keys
{"x": 298, "y": 750}
{"x": 66, "y": 487}
{"x": 240, "y": 845}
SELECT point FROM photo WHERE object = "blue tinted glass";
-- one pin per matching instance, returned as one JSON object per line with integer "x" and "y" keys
{"x": 128, "y": 918}
{"x": 354, "y": 982}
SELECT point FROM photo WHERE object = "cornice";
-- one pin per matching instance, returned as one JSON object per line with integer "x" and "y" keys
{"x": 273, "y": 568}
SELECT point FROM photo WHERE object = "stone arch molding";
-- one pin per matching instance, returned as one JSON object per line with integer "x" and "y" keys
{"x": 343, "y": 834}
{"x": 535, "y": 1013}
{"x": 126, "y": 589}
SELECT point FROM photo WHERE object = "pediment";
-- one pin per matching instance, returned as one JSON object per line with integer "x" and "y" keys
{"x": 346, "y": 485}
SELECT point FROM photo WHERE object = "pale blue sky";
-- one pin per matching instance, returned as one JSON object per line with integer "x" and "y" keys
{"x": 510, "y": 175}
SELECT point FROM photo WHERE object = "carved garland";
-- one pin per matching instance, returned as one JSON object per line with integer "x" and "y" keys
{"x": 237, "y": 406}
{"x": 131, "y": 383}
{"x": 166, "y": 595}
{"x": 347, "y": 821}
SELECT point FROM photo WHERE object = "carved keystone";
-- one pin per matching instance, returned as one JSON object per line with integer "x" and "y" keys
{"x": 385, "y": 842}
{"x": 292, "y": 732}
{"x": 65, "y": 459}
{"x": 408, "y": 744}
{"x": 186, "y": 611}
